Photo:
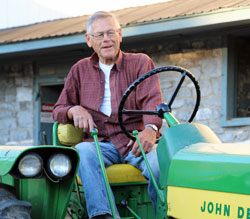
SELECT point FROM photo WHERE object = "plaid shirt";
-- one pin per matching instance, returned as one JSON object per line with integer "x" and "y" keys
{"x": 85, "y": 86}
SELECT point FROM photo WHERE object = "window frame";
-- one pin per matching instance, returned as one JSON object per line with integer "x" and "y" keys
{"x": 229, "y": 69}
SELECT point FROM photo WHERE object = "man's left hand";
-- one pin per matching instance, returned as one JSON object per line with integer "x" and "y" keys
{"x": 147, "y": 138}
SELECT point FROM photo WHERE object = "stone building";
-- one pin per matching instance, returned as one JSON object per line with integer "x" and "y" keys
{"x": 209, "y": 38}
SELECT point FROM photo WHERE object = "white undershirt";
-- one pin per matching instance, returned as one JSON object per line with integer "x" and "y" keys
{"x": 106, "y": 104}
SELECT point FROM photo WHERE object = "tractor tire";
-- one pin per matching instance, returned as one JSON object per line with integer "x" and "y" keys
{"x": 11, "y": 207}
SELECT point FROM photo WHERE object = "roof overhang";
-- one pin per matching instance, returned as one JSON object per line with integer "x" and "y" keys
{"x": 164, "y": 27}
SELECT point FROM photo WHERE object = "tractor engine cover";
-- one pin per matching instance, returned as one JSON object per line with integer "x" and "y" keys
{"x": 208, "y": 180}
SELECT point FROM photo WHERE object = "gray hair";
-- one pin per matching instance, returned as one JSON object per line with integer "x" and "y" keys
{"x": 98, "y": 15}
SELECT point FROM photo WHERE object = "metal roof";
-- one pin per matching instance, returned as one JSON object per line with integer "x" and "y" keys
{"x": 128, "y": 17}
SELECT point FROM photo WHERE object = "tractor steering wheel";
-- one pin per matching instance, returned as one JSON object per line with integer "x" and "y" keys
{"x": 162, "y": 108}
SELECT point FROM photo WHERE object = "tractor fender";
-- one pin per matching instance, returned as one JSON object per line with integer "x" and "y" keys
{"x": 8, "y": 157}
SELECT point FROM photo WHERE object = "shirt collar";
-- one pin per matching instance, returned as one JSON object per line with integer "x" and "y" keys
{"x": 118, "y": 62}
{"x": 95, "y": 59}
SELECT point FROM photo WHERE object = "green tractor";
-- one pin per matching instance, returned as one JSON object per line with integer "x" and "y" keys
{"x": 199, "y": 176}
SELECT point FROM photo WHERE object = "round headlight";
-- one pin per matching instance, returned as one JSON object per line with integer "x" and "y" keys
{"x": 30, "y": 165}
{"x": 60, "y": 165}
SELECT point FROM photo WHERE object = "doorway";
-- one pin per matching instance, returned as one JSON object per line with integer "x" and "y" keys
{"x": 48, "y": 97}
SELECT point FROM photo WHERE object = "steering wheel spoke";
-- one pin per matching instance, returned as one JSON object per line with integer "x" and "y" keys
{"x": 177, "y": 88}
{"x": 129, "y": 112}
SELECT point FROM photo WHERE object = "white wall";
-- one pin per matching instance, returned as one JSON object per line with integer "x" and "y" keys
{"x": 22, "y": 12}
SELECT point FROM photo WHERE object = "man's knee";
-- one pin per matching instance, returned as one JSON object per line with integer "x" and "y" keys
{"x": 86, "y": 150}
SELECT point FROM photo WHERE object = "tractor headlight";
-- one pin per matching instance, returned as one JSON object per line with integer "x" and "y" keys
{"x": 60, "y": 165}
{"x": 30, "y": 165}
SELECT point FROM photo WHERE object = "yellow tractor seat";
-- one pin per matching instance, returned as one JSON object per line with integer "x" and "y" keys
{"x": 122, "y": 173}
{"x": 68, "y": 135}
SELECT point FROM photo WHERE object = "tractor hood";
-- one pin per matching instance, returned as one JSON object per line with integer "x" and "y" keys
{"x": 10, "y": 154}
{"x": 218, "y": 167}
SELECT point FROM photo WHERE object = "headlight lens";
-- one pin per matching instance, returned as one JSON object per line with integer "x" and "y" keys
{"x": 60, "y": 165}
{"x": 30, "y": 165}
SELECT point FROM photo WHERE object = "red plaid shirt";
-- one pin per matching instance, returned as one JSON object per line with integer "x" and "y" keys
{"x": 85, "y": 86}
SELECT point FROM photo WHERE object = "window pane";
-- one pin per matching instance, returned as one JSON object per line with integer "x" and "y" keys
{"x": 243, "y": 79}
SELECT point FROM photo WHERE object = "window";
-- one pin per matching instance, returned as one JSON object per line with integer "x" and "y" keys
{"x": 236, "y": 83}
{"x": 243, "y": 79}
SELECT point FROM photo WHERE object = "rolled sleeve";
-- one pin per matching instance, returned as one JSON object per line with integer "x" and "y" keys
{"x": 60, "y": 114}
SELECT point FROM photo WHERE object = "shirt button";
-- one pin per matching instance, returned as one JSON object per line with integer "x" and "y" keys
{"x": 100, "y": 97}
{"x": 101, "y": 81}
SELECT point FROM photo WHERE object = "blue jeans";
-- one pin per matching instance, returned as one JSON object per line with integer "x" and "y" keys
{"x": 91, "y": 176}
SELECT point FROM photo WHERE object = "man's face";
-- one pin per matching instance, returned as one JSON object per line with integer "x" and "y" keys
{"x": 105, "y": 39}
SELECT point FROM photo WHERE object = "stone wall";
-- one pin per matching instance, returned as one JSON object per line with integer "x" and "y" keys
{"x": 206, "y": 65}
{"x": 16, "y": 104}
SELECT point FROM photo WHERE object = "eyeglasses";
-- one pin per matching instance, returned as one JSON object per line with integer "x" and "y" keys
{"x": 100, "y": 35}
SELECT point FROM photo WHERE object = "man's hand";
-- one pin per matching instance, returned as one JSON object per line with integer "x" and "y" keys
{"x": 82, "y": 118}
{"x": 147, "y": 138}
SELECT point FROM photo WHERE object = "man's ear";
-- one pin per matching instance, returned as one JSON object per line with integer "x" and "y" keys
{"x": 88, "y": 41}
{"x": 120, "y": 34}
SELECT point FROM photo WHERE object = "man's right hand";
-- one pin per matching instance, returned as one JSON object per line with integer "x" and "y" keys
{"x": 82, "y": 118}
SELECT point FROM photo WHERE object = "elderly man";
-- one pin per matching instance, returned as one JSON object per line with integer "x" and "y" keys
{"x": 90, "y": 98}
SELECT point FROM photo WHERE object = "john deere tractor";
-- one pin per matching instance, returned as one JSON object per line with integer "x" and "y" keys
{"x": 200, "y": 177}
